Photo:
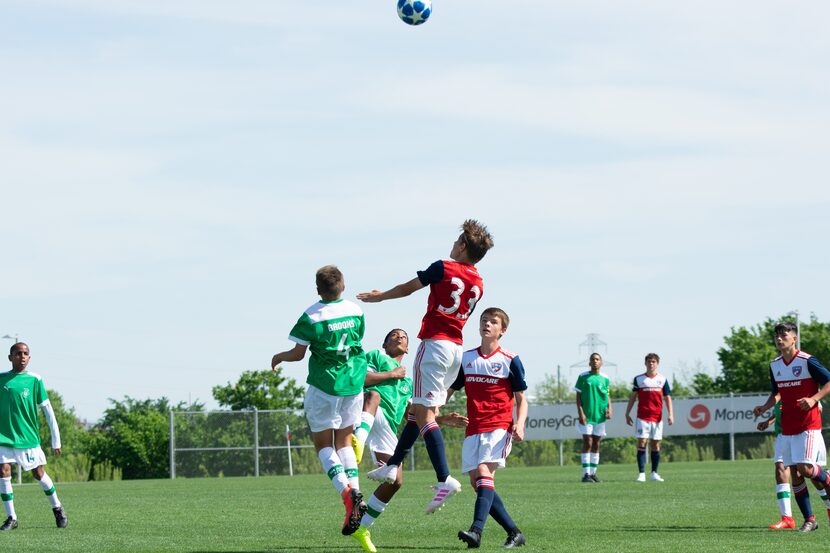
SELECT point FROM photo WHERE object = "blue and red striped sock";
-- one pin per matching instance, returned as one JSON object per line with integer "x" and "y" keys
{"x": 802, "y": 497}
{"x": 408, "y": 438}
{"x": 434, "y": 440}
{"x": 485, "y": 491}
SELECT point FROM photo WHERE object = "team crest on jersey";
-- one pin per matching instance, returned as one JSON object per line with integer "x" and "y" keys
{"x": 496, "y": 367}
{"x": 405, "y": 389}
{"x": 25, "y": 392}
{"x": 796, "y": 371}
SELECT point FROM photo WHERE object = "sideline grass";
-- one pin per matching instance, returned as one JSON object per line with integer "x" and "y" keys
{"x": 708, "y": 506}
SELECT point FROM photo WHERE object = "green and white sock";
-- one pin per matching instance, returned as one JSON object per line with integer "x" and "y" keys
{"x": 783, "y": 492}
{"x": 347, "y": 457}
{"x": 586, "y": 463}
{"x": 362, "y": 431}
{"x": 594, "y": 462}
{"x": 49, "y": 490}
{"x": 333, "y": 468}
{"x": 374, "y": 507}
{"x": 8, "y": 496}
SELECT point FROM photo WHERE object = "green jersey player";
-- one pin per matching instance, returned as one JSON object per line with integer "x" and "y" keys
{"x": 594, "y": 408}
{"x": 23, "y": 392}
{"x": 333, "y": 329}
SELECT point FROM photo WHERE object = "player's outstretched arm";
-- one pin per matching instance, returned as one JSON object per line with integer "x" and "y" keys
{"x": 295, "y": 354}
{"x": 399, "y": 291}
{"x": 456, "y": 420}
{"x": 374, "y": 377}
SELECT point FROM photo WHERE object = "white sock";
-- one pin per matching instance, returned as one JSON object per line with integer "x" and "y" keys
{"x": 375, "y": 508}
{"x": 594, "y": 461}
{"x": 347, "y": 457}
{"x": 586, "y": 460}
{"x": 49, "y": 490}
{"x": 367, "y": 420}
{"x": 783, "y": 492}
{"x": 333, "y": 468}
{"x": 8, "y": 496}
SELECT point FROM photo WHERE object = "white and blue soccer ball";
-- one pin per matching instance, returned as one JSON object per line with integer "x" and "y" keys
{"x": 414, "y": 12}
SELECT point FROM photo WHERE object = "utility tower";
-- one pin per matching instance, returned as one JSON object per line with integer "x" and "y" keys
{"x": 593, "y": 344}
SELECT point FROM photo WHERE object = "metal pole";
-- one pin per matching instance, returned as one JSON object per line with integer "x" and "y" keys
{"x": 172, "y": 447}
{"x": 561, "y": 454}
{"x": 256, "y": 442}
{"x": 731, "y": 429}
{"x": 412, "y": 457}
{"x": 288, "y": 439}
{"x": 19, "y": 474}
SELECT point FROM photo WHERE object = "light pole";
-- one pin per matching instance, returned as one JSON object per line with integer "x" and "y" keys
{"x": 9, "y": 337}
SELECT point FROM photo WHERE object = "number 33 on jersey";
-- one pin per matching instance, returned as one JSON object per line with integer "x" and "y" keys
{"x": 454, "y": 290}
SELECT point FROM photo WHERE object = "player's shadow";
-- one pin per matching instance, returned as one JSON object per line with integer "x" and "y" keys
{"x": 677, "y": 528}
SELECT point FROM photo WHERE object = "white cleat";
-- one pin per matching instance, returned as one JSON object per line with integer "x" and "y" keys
{"x": 443, "y": 491}
{"x": 641, "y": 477}
{"x": 656, "y": 477}
{"x": 386, "y": 473}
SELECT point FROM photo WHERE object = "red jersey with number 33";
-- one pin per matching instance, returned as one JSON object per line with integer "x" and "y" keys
{"x": 454, "y": 290}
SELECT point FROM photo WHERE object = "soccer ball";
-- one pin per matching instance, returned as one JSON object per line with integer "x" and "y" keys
{"x": 414, "y": 12}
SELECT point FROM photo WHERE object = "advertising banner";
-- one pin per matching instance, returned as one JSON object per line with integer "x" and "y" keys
{"x": 725, "y": 415}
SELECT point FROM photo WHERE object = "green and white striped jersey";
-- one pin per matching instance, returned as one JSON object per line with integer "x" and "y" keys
{"x": 333, "y": 330}
{"x": 394, "y": 393}
{"x": 20, "y": 396}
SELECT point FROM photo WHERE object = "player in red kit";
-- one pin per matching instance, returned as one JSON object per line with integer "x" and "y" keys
{"x": 651, "y": 389}
{"x": 454, "y": 289}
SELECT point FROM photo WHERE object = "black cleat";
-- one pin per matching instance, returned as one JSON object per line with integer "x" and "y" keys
{"x": 808, "y": 526}
{"x": 586, "y": 479}
{"x": 355, "y": 509}
{"x": 515, "y": 538}
{"x": 595, "y": 479}
{"x": 472, "y": 538}
{"x": 60, "y": 517}
{"x": 10, "y": 524}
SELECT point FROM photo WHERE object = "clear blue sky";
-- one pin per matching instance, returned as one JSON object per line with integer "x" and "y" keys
{"x": 173, "y": 173}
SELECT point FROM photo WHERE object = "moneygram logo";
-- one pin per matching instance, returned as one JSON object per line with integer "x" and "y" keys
{"x": 699, "y": 416}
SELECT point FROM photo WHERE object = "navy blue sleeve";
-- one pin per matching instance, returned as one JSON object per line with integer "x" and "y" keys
{"x": 459, "y": 380}
{"x": 433, "y": 274}
{"x": 666, "y": 388}
{"x": 773, "y": 384}
{"x": 634, "y": 387}
{"x": 817, "y": 371}
{"x": 517, "y": 375}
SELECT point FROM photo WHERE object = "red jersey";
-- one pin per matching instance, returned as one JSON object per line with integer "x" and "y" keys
{"x": 801, "y": 377}
{"x": 490, "y": 382}
{"x": 454, "y": 290}
{"x": 650, "y": 392}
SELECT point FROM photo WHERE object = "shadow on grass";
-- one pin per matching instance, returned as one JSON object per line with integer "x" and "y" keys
{"x": 707, "y": 528}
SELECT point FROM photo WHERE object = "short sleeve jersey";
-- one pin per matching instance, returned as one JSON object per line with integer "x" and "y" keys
{"x": 454, "y": 290}
{"x": 650, "y": 393}
{"x": 20, "y": 396}
{"x": 490, "y": 382}
{"x": 593, "y": 392}
{"x": 394, "y": 393}
{"x": 333, "y": 332}
{"x": 801, "y": 377}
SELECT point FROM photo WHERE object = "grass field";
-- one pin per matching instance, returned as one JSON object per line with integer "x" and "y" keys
{"x": 705, "y": 506}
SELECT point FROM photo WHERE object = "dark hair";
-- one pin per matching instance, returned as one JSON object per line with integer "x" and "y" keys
{"x": 14, "y": 346}
{"x": 595, "y": 353}
{"x": 477, "y": 239}
{"x": 786, "y": 326}
{"x": 499, "y": 313}
{"x": 330, "y": 282}
{"x": 653, "y": 356}
{"x": 388, "y": 334}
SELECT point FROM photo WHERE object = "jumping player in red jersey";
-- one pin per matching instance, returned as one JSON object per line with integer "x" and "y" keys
{"x": 649, "y": 390}
{"x": 454, "y": 289}
{"x": 492, "y": 378}
{"x": 801, "y": 381}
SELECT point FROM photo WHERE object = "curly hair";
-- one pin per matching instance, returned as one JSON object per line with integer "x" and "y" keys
{"x": 477, "y": 239}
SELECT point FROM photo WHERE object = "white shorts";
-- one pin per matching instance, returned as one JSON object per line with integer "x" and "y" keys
{"x": 778, "y": 454}
{"x": 28, "y": 459}
{"x": 382, "y": 438}
{"x": 487, "y": 447}
{"x": 650, "y": 430}
{"x": 807, "y": 447}
{"x": 325, "y": 411}
{"x": 589, "y": 429}
{"x": 436, "y": 366}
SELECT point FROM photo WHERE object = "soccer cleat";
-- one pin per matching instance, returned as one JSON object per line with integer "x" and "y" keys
{"x": 515, "y": 538}
{"x": 60, "y": 517}
{"x": 364, "y": 538}
{"x": 595, "y": 479}
{"x": 10, "y": 524}
{"x": 587, "y": 479}
{"x": 355, "y": 508}
{"x": 641, "y": 477}
{"x": 786, "y": 523}
{"x": 471, "y": 537}
{"x": 443, "y": 491}
{"x": 656, "y": 477}
{"x": 386, "y": 473}
{"x": 808, "y": 526}
{"x": 359, "y": 447}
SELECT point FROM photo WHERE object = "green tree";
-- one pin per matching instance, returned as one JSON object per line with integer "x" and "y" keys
{"x": 261, "y": 390}
{"x": 550, "y": 390}
{"x": 134, "y": 436}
